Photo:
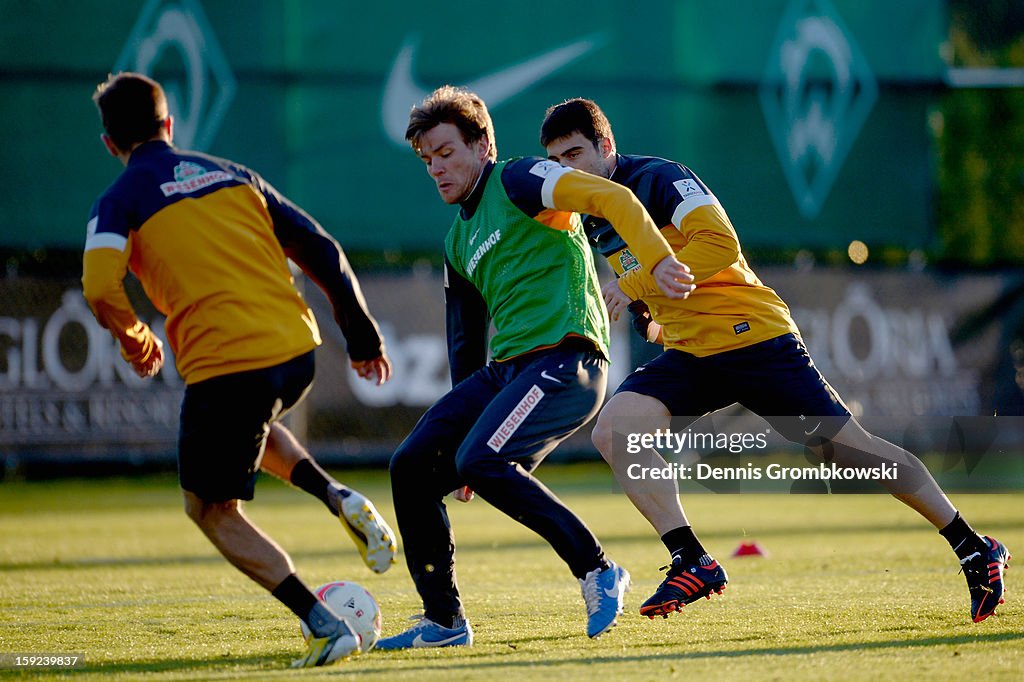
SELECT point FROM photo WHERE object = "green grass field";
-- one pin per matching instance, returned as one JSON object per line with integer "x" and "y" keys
{"x": 856, "y": 587}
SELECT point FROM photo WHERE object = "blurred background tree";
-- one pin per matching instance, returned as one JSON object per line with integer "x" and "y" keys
{"x": 980, "y": 134}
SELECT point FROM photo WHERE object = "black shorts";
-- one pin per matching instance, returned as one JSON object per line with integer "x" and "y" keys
{"x": 225, "y": 422}
{"x": 775, "y": 379}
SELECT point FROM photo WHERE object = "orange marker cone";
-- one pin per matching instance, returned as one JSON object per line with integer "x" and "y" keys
{"x": 749, "y": 549}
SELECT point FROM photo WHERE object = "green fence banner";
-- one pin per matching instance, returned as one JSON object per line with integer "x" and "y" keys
{"x": 808, "y": 118}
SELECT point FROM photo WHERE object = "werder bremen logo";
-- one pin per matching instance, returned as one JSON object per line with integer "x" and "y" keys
{"x": 190, "y": 177}
{"x": 173, "y": 42}
{"x": 186, "y": 169}
{"x": 627, "y": 261}
{"x": 816, "y": 94}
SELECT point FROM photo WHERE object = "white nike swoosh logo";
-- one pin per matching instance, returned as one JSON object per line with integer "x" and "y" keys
{"x": 420, "y": 642}
{"x": 547, "y": 376}
{"x": 612, "y": 592}
{"x": 816, "y": 426}
{"x": 402, "y": 92}
{"x": 473, "y": 238}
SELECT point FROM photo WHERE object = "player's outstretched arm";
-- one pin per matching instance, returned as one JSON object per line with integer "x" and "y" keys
{"x": 574, "y": 190}
{"x": 103, "y": 272}
{"x": 322, "y": 259}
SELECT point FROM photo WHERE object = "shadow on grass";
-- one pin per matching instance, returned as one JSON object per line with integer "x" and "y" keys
{"x": 464, "y": 547}
{"x": 458, "y": 664}
{"x": 463, "y": 660}
{"x": 710, "y": 534}
{"x": 213, "y": 667}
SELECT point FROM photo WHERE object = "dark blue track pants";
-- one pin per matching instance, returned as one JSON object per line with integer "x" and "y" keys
{"x": 489, "y": 433}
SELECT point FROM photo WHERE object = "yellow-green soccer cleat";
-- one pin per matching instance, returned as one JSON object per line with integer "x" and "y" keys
{"x": 339, "y": 645}
{"x": 373, "y": 537}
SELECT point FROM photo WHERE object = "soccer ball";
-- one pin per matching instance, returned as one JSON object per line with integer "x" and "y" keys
{"x": 357, "y": 606}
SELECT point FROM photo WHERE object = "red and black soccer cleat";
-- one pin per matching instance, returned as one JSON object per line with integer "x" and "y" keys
{"x": 684, "y": 584}
{"x": 984, "y": 573}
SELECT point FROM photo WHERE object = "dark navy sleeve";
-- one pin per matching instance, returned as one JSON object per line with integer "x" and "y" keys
{"x": 320, "y": 256}
{"x": 468, "y": 322}
{"x": 113, "y": 216}
{"x": 665, "y": 188}
{"x": 524, "y": 187}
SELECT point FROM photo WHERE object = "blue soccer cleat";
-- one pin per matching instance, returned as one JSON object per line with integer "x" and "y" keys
{"x": 427, "y": 633}
{"x": 603, "y": 592}
{"x": 984, "y": 573}
{"x": 684, "y": 584}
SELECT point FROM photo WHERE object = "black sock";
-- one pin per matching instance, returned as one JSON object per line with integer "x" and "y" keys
{"x": 294, "y": 594}
{"x": 602, "y": 565}
{"x": 962, "y": 538}
{"x": 681, "y": 542}
{"x": 450, "y": 621}
{"x": 307, "y": 475}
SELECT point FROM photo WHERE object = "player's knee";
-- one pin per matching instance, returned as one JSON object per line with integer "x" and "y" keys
{"x": 193, "y": 507}
{"x": 208, "y": 514}
{"x": 601, "y": 437}
{"x": 408, "y": 463}
{"x": 473, "y": 468}
{"x": 466, "y": 466}
{"x": 398, "y": 465}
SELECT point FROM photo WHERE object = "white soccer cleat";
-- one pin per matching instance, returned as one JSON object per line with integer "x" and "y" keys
{"x": 373, "y": 537}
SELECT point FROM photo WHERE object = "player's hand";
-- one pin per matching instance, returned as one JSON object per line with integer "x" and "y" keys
{"x": 615, "y": 299}
{"x": 673, "y": 278}
{"x": 152, "y": 365}
{"x": 463, "y": 494}
{"x": 378, "y": 369}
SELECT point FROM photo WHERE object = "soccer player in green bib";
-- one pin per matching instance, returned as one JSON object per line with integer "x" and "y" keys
{"x": 515, "y": 256}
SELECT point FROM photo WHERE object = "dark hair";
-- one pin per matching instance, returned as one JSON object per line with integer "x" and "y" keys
{"x": 575, "y": 115}
{"x": 458, "y": 106}
{"x": 132, "y": 107}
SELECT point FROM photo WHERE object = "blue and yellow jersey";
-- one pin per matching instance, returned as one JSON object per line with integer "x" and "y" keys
{"x": 730, "y": 308}
{"x": 209, "y": 240}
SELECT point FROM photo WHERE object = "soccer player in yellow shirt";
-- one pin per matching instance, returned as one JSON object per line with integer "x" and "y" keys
{"x": 731, "y": 341}
{"x": 209, "y": 240}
